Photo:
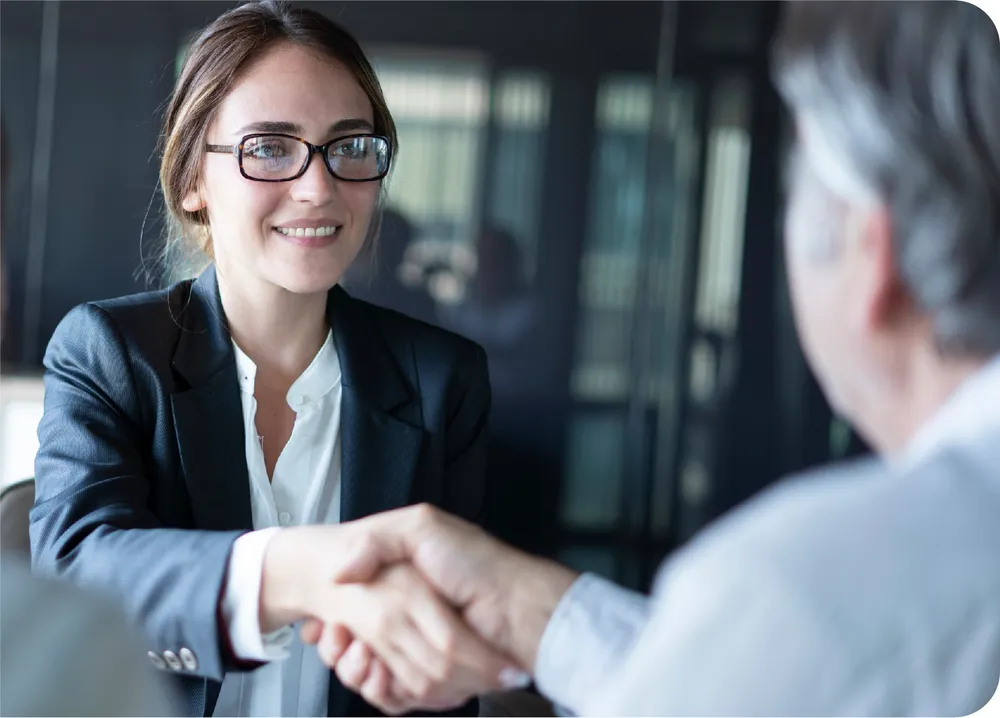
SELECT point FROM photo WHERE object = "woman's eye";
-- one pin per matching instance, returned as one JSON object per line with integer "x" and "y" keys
{"x": 351, "y": 151}
{"x": 265, "y": 150}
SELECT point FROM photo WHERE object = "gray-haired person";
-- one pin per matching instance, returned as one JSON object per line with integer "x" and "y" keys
{"x": 867, "y": 588}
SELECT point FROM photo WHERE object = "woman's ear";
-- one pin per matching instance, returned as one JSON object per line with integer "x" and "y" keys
{"x": 193, "y": 201}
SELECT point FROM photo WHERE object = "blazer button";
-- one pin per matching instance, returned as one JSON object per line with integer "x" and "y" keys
{"x": 172, "y": 660}
{"x": 188, "y": 659}
{"x": 156, "y": 660}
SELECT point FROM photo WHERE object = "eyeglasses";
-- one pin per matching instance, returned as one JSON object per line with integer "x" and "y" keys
{"x": 282, "y": 158}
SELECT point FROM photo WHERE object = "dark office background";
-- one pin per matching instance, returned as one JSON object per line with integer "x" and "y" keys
{"x": 646, "y": 374}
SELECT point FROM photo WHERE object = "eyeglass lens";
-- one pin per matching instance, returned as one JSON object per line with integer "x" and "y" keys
{"x": 277, "y": 157}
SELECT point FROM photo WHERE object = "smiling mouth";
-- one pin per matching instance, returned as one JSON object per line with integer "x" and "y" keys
{"x": 307, "y": 231}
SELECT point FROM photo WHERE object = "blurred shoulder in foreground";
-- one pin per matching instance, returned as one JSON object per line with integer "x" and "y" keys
{"x": 67, "y": 652}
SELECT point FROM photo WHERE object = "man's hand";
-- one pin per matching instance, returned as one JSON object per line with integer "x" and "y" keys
{"x": 433, "y": 656}
{"x": 505, "y": 596}
{"x": 421, "y": 642}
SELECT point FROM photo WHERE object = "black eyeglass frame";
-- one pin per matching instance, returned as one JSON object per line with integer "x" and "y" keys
{"x": 237, "y": 151}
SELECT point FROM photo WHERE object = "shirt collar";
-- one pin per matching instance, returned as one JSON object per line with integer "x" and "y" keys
{"x": 319, "y": 378}
{"x": 245, "y": 369}
{"x": 971, "y": 411}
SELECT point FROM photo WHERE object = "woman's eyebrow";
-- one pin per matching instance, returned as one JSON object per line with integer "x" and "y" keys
{"x": 353, "y": 123}
{"x": 287, "y": 128}
{"x": 290, "y": 128}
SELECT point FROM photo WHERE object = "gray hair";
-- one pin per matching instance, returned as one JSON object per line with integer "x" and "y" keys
{"x": 907, "y": 96}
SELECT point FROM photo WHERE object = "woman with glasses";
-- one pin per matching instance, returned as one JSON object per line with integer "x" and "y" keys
{"x": 204, "y": 448}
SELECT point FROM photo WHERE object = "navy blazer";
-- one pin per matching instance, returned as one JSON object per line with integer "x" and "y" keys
{"x": 141, "y": 476}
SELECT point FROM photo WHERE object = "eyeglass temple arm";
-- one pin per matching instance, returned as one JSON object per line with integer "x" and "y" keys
{"x": 224, "y": 149}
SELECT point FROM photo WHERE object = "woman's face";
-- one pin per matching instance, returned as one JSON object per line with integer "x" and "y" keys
{"x": 296, "y": 91}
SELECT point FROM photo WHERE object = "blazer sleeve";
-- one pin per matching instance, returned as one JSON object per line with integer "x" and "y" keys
{"x": 466, "y": 437}
{"x": 91, "y": 522}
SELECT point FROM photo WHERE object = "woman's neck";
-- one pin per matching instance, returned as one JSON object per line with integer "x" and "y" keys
{"x": 279, "y": 330}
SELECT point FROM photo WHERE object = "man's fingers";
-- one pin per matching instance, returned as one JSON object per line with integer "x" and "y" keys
{"x": 363, "y": 557}
{"x": 334, "y": 641}
{"x": 354, "y": 665}
{"x": 377, "y": 543}
{"x": 311, "y": 631}
{"x": 381, "y": 540}
{"x": 377, "y": 691}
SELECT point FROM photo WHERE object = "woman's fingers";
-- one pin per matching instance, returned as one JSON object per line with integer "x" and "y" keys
{"x": 411, "y": 659}
{"x": 381, "y": 689}
{"x": 425, "y": 669}
{"x": 431, "y": 656}
{"x": 378, "y": 615}
{"x": 449, "y": 662}
{"x": 459, "y": 660}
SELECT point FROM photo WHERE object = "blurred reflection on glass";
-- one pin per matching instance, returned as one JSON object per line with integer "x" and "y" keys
{"x": 440, "y": 105}
{"x": 498, "y": 308}
{"x": 385, "y": 279}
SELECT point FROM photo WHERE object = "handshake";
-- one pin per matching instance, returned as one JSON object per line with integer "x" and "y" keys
{"x": 412, "y": 608}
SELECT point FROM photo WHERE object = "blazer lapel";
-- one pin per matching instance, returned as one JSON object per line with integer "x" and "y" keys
{"x": 379, "y": 454}
{"x": 381, "y": 432}
{"x": 208, "y": 414}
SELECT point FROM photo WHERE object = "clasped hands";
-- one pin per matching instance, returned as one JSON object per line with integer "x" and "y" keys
{"x": 412, "y": 608}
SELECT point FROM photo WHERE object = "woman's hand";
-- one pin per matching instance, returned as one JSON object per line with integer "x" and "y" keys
{"x": 441, "y": 685}
{"x": 416, "y": 650}
{"x": 364, "y": 673}
{"x": 427, "y": 648}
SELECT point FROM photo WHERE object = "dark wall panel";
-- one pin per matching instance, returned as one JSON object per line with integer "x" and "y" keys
{"x": 21, "y": 25}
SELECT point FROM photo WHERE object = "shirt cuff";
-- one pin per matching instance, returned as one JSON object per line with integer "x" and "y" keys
{"x": 241, "y": 601}
{"x": 587, "y": 639}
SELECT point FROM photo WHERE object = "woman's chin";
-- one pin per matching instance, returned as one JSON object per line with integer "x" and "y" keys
{"x": 309, "y": 272}
{"x": 310, "y": 281}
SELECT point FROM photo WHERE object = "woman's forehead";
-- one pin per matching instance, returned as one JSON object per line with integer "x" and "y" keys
{"x": 296, "y": 85}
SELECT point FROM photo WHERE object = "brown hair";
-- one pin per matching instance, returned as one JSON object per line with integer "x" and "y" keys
{"x": 212, "y": 67}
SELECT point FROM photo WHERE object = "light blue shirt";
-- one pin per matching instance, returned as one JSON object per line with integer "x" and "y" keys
{"x": 869, "y": 588}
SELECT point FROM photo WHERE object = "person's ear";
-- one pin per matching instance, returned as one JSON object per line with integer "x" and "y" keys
{"x": 193, "y": 201}
{"x": 881, "y": 292}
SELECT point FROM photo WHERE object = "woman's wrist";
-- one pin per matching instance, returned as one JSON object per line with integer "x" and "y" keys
{"x": 283, "y": 593}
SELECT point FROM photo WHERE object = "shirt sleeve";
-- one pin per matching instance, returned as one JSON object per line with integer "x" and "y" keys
{"x": 241, "y": 601}
{"x": 588, "y": 637}
{"x": 734, "y": 637}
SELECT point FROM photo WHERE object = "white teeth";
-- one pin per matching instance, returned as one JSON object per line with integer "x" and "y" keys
{"x": 307, "y": 231}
